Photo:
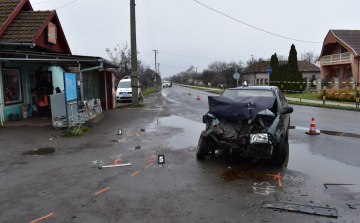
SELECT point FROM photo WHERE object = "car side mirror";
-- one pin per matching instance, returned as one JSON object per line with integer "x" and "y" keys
{"x": 287, "y": 110}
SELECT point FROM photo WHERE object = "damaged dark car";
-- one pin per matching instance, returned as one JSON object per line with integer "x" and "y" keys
{"x": 250, "y": 121}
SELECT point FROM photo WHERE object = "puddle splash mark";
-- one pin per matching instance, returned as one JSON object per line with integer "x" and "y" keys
{"x": 149, "y": 165}
{"x": 277, "y": 176}
{"x": 41, "y": 151}
{"x": 42, "y": 218}
{"x": 102, "y": 190}
{"x": 135, "y": 173}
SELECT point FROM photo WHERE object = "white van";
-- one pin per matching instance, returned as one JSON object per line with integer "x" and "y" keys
{"x": 124, "y": 90}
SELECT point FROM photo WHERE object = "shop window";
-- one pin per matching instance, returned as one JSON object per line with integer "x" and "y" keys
{"x": 12, "y": 86}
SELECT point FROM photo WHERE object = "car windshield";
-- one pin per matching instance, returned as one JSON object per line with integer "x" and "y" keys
{"x": 126, "y": 84}
{"x": 247, "y": 93}
{"x": 166, "y": 82}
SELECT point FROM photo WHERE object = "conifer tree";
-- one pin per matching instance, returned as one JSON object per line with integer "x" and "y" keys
{"x": 274, "y": 64}
{"x": 293, "y": 74}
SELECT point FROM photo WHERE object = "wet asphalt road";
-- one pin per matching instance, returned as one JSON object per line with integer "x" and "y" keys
{"x": 67, "y": 186}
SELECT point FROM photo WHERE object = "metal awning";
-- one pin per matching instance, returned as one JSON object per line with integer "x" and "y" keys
{"x": 53, "y": 59}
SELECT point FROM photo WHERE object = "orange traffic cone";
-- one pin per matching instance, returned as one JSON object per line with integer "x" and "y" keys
{"x": 198, "y": 97}
{"x": 312, "y": 130}
{"x": 189, "y": 92}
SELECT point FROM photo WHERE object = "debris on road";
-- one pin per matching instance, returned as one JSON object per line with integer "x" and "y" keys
{"x": 138, "y": 147}
{"x": 325, "y": 185}
{"x": 277, "y": 197}
{"x": 116, "y": 165}
{"x": 323, "y": 211}
{"x": 143, "y": 130}
{"x": 351, "y": 206}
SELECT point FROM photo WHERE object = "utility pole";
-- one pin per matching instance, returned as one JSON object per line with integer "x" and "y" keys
{"x": 156, "y": 52}
{"x": 196, "y": 76}
{"x": 134, "y": 77}
{"x": 159, "y": 71}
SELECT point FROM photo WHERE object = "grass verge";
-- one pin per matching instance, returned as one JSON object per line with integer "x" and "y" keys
{"x": 82, "y": 131}
{"x": 324, "y": 106}
{"x": 149, "y": 91}
{"x": 304, "y": 95}
{"x": 133, "y": 106}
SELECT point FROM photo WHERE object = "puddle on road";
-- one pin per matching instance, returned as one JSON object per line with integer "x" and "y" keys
{"x": 189, "y": 136}
{"x": 41, "y": 151}
{"x": 327, "y": 132}
{"x": 323, "y": 170}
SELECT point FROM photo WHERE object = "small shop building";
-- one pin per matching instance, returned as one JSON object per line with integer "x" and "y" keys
{"x": 33, "y": 47}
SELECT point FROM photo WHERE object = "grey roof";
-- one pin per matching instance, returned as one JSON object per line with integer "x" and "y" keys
{"x": 349, "y": 37}
{"x": 304, "y": 66}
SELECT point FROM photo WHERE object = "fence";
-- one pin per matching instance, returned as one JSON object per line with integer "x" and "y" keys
{"x": 321, "y": 89}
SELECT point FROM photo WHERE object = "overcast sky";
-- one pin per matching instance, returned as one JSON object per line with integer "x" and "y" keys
{"x": 187, "y": 28}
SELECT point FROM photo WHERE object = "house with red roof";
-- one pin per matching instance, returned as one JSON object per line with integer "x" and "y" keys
{"x": 340, "y": 55}
{"x": 23, "y": 29}
{"x": 33, "y": 47}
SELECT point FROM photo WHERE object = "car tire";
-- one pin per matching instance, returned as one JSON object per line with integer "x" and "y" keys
{"x": 205, "y": 145}
{"x": 281, "y": 153}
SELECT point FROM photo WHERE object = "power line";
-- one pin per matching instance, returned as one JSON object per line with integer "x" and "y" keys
{"x": 262, "y": 30}
{"x": 145, "y": 54}
{"x": 204, "y": 57}
{"x": 41, "y": 2}
{"x": 152, "y": 24}
{"x": 147, "y": 32}
{"x": 67, "y": 4}
{"x": 148, "y": 23}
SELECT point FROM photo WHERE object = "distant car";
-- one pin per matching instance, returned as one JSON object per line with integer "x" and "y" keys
{"x": 166, "y": 84}
{"x": 250, "y": 121}
{"x": 124, "y": 90}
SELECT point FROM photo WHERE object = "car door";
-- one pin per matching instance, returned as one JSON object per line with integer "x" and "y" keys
{"x": 286, "y": 117}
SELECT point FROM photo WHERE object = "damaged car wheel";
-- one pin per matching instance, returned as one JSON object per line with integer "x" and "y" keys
{"x": 280, "y": 153}
{"x": 205, "y": 145}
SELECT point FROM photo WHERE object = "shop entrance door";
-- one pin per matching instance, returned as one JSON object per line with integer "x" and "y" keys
{"x": 39, "y": 76}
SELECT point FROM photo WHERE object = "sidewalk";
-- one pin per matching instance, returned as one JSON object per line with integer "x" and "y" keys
{"x": 321, "y": 102}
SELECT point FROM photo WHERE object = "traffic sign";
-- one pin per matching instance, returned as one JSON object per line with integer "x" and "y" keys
{"x": 236, "y": 76}
{"x": 268, "y": 69}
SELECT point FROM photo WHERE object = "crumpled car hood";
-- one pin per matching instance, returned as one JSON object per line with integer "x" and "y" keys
{"x": 237, "y": 108}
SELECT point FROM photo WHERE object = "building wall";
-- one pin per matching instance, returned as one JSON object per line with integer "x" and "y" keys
{"x": 57, "y": 77}
{"x": 57, "y": 74}
{"x": 26, "y": 90}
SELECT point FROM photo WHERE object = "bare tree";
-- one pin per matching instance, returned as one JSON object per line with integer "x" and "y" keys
{"x": 121, "y": 55}
{"x": 311, "y": 57}
{"x": 282, "y": 58}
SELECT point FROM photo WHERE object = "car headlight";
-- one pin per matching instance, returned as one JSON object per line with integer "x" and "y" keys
{"x": 259, "y": 138}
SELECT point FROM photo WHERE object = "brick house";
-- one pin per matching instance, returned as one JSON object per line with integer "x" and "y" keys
{"x": 340, "y": 55}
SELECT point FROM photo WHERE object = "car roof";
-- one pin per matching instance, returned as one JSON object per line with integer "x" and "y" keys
{"x": 125, "y": 80}
{"x": 254, "y": 88}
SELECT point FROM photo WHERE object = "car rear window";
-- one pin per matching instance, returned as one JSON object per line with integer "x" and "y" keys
{"x": 247, "y": 93}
